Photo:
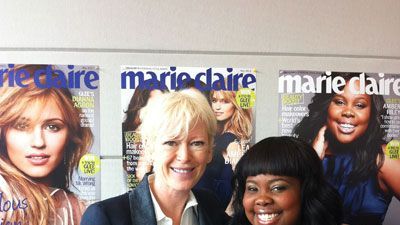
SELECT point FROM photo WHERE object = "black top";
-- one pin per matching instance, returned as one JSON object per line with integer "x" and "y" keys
{"x": 136, "y": 208}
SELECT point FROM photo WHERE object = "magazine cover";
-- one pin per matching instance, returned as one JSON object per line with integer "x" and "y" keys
{"x": 231, "y": 94}
{"x": 49, "y": 129}
{"x": 352, "y": 119}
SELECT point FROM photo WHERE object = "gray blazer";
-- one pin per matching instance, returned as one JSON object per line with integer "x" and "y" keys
{"x": 136, "y": 208}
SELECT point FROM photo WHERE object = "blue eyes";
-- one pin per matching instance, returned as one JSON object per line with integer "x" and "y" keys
{"x": 170, "y": 143}
{"x": 194, "y": 145}
{"x": 197, "y": 143}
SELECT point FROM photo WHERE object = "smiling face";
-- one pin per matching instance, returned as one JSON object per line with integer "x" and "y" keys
{"x": 349, "y": 115}
{"x": 179, "y": 162}
{"x": 35, "y": 142}
{"x": 222, "y": 107}
{"x": 272, "y": 200}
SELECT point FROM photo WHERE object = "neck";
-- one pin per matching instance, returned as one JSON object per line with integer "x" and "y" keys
{"x": 46, "y": 181}
{"x": 166, "y": 198}
{"x": 335, "y": 147}
{"x": 221, "y": 126}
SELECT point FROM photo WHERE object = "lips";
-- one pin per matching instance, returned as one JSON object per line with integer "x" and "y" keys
{"x": 38, "y": 159}
{"x": 346, "y": 128}
{"x": 182, "y": 170}
{"x": 266, "y": 218}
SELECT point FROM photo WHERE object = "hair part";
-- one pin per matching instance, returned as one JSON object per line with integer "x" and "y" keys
{"x": 175, "y": 114}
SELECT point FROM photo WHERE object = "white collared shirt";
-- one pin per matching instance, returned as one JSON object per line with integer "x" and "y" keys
{"x": 189, "y": 215}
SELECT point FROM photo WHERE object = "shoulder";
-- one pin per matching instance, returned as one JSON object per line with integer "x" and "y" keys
{"x": 210, "y": 206}
{"x": 322, "y": 205}
{"x": 389, "y": 173}
{"x": 225, "y": 139}
{"x": 115, "y": 203}
{"x": 204, "y": 195}
{"x": 69, "y": 201}
{"x": 110, "y": 211}
{"x": 229, "y": 136}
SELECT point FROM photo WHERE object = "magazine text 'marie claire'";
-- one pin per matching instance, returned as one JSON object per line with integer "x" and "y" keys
{"x": 325, "y": 83}
{"x": 71, "y": 79}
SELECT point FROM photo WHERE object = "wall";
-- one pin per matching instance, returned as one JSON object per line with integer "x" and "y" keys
{"x": 267, "y": 35}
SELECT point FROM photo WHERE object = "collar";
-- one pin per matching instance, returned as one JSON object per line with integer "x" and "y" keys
{"x": 191, "y": 202}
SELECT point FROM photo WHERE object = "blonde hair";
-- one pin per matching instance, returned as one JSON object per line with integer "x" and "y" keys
{"x": 175, "y": 114}
{"x": 13, "y": 102}
{"x": 240, "y": 122}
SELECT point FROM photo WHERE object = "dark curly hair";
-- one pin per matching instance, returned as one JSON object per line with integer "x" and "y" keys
{"x": 366, "y": 149}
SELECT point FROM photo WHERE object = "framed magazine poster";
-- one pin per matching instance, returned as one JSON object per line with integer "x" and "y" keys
{"x": 231, "y": 94}
{"x": 49, "y": 125}
{"x": 352, "y": 119}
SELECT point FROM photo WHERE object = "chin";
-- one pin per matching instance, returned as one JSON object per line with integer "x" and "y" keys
{"x": 37, "y": 175}
{"x": 346, "y": 139}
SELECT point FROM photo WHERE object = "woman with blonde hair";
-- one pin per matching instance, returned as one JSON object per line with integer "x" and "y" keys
{"x": 177, "y": 130}
{"x": 234, "y": 128}
{"x": 41, "y": 142}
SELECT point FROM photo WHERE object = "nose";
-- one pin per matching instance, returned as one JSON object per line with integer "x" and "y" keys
{"x": 217, "y": 105}
{"x": 37, "y": 138}
{"x": 263, "y": 199}
{"x": 183, "y": 154}
{"x": 348, "y": 112}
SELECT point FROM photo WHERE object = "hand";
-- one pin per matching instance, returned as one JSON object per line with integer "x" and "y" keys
{"x": 320, "y": 144}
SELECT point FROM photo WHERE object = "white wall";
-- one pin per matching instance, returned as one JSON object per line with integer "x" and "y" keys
{"x": 341, "y": 35}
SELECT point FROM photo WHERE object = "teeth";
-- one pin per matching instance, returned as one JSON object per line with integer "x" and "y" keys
{"x": 264, "y": 217}
{"x": 37, "y": 157}
{"x": 346, "y": 125}
{"x": 182, "y": 170}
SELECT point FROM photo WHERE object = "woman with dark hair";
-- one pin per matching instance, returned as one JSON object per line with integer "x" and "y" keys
{"x": 345, "y": 130}
{"x": 140, "y": 98}
{"x": 280, "y": 181}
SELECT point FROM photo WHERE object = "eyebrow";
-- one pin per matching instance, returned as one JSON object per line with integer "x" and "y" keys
{"x": 54, "y": 119}
{"x": 22, "y": 120}
{"x": 269, "y": 181}
{"x": 28, "y": 120}
{"x": 356, "y": 98}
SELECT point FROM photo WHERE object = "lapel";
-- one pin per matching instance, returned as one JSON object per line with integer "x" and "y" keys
{"x": 203, "y": 217}
{"x": 142, "y": 209}
{"x": 141, "y": 205}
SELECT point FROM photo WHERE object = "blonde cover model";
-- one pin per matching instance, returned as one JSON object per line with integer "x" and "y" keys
{"x": 41, "y": 142}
